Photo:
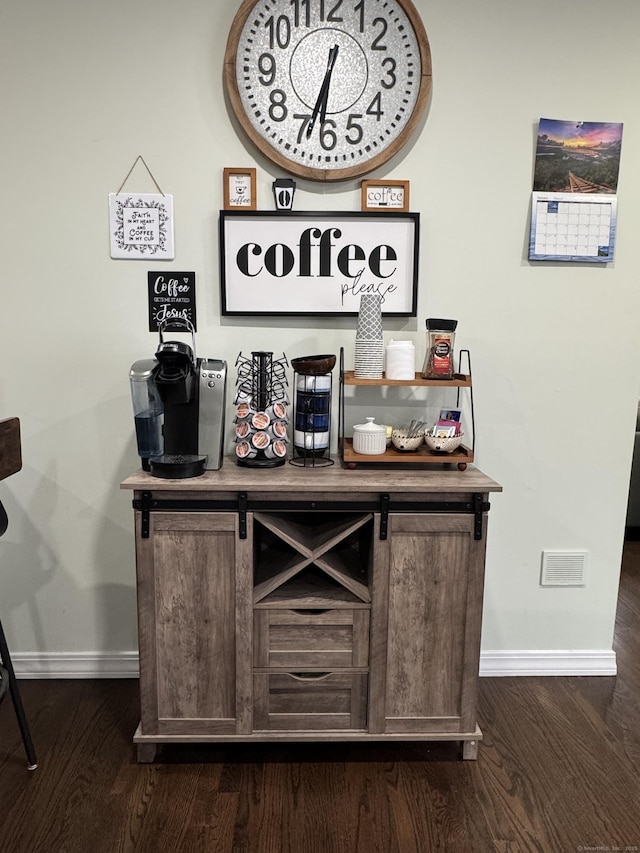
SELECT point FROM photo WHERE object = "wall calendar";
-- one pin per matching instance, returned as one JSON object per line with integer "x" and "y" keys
{"x": 574, "y": 202}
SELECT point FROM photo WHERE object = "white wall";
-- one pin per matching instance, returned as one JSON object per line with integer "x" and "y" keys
{"x": 555, "y": 346}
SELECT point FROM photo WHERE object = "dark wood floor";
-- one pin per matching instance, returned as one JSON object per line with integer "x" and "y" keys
{"x": 559, "y": 770}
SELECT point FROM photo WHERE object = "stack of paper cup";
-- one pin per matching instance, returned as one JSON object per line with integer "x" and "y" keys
{"x": 401, "y": 360}
{"x": 369, "y": 349}
{"x": 369, "y": 317}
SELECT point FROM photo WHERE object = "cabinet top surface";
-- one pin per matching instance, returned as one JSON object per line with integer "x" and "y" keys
{"x": 333, "y": 478}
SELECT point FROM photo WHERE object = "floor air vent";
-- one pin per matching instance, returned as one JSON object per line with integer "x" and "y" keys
{"x": 563, "y": 568}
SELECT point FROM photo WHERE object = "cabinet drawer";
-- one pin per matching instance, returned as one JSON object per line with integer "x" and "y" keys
{"x": 296, "y": 639}
{"x": 309, "y": 701}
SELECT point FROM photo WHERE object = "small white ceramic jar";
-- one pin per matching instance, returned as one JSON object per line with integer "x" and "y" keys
{"x": 369, "y": 439}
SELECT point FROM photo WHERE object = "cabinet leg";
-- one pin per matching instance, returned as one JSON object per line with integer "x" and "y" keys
{"x": 146, "y": 752}
{"x": 469, "y": 750}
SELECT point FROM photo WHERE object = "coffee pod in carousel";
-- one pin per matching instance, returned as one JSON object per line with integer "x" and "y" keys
{"x": 277, "y": 411}
{"x": 244, "y": 411}
{"x": 261, "y": 440}
{"x": 243, "y": 429}
{"x": 278, "y": 430}
{"x": 245, "y": 451}
{"x": 276, "y": 450}
{"x": 260, "y": 420}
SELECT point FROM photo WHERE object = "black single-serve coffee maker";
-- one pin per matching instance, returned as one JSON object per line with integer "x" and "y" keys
{"x": 179, "y": 407}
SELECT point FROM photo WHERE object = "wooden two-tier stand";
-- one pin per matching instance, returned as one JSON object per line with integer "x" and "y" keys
{"x": 461, "y": 457}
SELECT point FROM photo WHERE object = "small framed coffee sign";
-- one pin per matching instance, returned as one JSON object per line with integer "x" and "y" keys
{"x": 385, "y": 195}
{"x": 172, "y": 296}
{"x": 308, "y": 263}
{"x": 239, "y": 186}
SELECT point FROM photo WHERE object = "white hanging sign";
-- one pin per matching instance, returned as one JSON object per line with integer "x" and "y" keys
{"x": 141, "y": 226}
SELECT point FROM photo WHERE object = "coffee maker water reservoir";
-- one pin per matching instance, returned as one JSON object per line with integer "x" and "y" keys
{"x": 148, "y": 411}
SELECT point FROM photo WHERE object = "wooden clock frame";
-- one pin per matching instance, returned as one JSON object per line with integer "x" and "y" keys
{"x": 307, "y": 172}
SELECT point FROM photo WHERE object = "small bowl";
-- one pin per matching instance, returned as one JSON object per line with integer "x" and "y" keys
{"x": 314, "y": 365}
{"x": 401, "y": 439}
{"x": 443, "y": 445}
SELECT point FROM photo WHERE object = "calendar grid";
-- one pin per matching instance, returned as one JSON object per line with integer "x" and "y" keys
{"x": 572, "y": 227}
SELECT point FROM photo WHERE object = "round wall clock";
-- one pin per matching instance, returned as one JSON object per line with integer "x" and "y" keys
{"x": 328, "y": 89}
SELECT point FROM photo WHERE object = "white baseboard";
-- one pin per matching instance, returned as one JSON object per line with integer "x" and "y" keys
{"x": 548, "y": 662}
{"x": 492, "y": 663}
{"x": 75, "y": 664}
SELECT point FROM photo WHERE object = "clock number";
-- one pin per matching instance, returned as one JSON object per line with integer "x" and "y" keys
{"x": 376, "y": 44}
{"x": 298, "y": 5}
{"x": 328, "y": 138}
{"x": 277, "y": 110}
{"x": 353, "y": 125}
{"x": 267, "y": 67}
{"x": 375, "y": 107}
{"x": 359, "y": 7}
{"x": 303, "y": 127}
{"x": 331, "y": 17}
{"x": 391, "y": 63}
{"x": 279, "y": 32}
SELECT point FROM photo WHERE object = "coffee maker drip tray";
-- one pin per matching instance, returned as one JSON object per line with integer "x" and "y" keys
{"x": 177, "y": 467}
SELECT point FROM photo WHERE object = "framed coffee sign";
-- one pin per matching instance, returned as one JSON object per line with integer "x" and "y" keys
{"x": 278, "y": 262}
{"x": 239, "y": 188}
{"x": 172, "y": 296}
{"x": 385, "y": 195}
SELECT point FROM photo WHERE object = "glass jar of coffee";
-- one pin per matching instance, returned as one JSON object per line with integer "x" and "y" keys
{"x": 438, "y": 361}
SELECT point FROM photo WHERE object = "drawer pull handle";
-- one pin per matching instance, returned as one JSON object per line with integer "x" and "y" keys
{"x": 311, "y": 612}
{"x": 309, "y": 676}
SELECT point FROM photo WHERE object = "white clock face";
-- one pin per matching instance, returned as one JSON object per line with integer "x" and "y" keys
{"x": 328, "y": 88}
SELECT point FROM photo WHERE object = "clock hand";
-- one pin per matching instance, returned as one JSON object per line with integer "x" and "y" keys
{"x": 320, "y": 107}
{"x": 333, "y": 55}
{"x": 323, "y": 95}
